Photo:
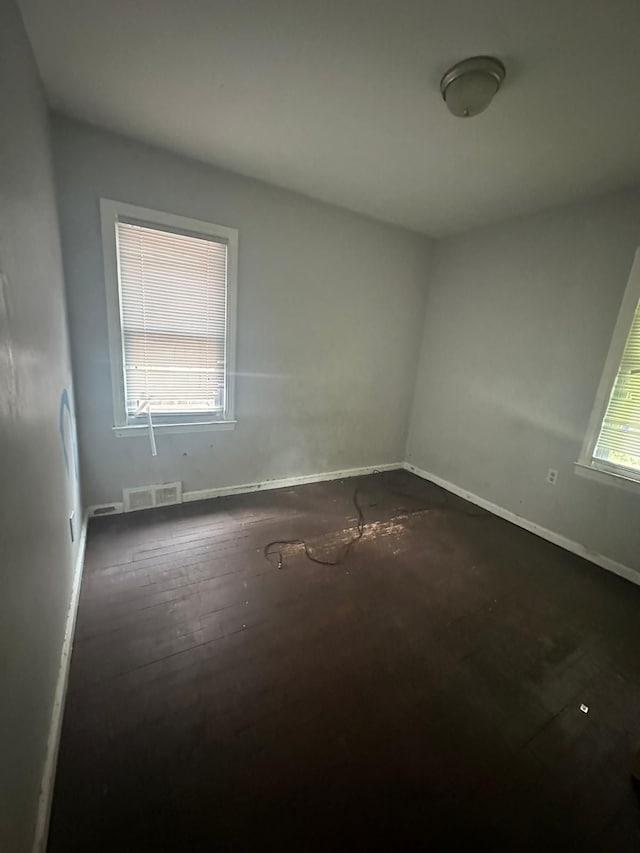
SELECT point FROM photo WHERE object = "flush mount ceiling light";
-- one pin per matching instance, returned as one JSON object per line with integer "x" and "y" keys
{"x": 469, "y": 86}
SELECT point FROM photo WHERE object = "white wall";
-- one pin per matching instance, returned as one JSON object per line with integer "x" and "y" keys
{"x": 330, "y": 308}
{"x": 36, "y": 491}
{"x": 518, "y": 322}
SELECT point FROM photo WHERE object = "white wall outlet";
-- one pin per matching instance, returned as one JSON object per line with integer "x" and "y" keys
{"x": 552, "y": 476}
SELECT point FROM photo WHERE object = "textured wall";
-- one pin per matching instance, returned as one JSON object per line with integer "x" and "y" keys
{"x": 518, "y": 323}
{"x": 38, "y": 489}
{"x": 330, "y": 308}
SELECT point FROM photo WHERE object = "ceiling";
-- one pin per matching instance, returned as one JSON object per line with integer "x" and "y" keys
{"x": 339, "y": 99}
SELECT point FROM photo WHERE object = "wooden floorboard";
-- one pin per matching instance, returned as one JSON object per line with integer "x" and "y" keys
{"x": 424, "y": 694}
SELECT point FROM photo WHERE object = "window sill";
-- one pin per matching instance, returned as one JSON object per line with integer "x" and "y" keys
{"x": 608, "y": 478}
{"x": 142, "y": 430}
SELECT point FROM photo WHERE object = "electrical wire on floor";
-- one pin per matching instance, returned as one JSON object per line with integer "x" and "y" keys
{"x": 346, "y": 549}
{"x": 270, "y": 549}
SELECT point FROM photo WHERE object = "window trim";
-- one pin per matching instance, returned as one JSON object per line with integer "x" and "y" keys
{"x": 123, "y": 424}
{"x": 586, "y": 464}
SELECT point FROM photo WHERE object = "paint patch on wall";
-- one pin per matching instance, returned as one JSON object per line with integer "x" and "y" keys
{"x": 9, "y": 397}
{"x": 67, "y": 435}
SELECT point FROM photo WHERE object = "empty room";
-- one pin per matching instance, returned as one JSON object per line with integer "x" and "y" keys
{"x": 320, "y": 418}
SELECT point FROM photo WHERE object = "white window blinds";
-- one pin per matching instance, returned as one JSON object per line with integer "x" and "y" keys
{"x": 618, "y": 443}
{"x": 173, "y": 303}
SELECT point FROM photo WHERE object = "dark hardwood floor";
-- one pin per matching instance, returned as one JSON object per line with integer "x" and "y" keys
{"x": 424, "y": 695}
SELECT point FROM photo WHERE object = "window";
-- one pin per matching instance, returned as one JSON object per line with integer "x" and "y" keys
{"x": 171, "y": 297}
{"x": 612, "y": 444}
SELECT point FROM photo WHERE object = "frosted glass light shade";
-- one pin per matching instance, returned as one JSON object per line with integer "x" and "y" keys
{"x": 469, "y": 86}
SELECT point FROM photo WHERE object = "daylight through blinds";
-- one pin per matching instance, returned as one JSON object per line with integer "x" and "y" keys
{"x": 619, "y": 440}
{"x": 173, "y": 297}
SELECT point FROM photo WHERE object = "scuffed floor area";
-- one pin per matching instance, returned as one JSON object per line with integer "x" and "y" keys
{"x": 424, "y": 694}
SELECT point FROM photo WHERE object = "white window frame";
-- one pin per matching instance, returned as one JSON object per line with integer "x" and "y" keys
{"x": 126, "y": 425}
{"x": 586, "y": 465}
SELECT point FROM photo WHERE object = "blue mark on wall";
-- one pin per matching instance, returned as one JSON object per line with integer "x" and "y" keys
{"x": 68, "y": 436}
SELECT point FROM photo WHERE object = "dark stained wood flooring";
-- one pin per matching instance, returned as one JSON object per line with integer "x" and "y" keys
{"x": 425, "y": 695}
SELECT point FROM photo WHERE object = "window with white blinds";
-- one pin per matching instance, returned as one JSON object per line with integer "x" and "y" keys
{"x": 173, "y": 293}
{"x": 175, "y": 313}
{"x": 618, "y": 443}
{"x": 612, "y": 444}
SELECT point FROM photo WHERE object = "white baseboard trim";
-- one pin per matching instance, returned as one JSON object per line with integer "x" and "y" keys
{"x": 55, "y": 728}
{"x": 557, "y": 539}
{"x": 286, "y": 482}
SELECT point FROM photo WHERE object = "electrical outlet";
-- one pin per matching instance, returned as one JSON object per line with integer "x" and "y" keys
{"x": 552, "y": 476}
